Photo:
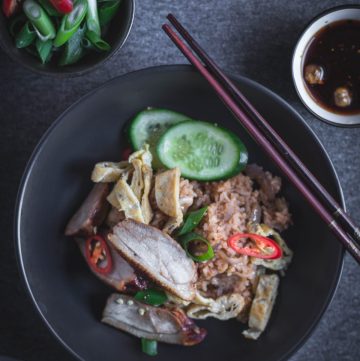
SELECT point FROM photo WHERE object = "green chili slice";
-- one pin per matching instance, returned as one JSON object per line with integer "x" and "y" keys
{"x": 71, "y": 22}
{"x": 107, "y": 11}
{"x": 192, "y": 220}
{"x": 149, "y": 347}
{"x": 197, "y": 256}
{"x": 92, "y": 17}
{"x": 151, "y": 297}
{"x": 26, "y": 36}
{"x": 73, "y": 50}
{"x": 99, "y": 43}
{"x": 44, "y": 49}
{"x": 40, "y": 20}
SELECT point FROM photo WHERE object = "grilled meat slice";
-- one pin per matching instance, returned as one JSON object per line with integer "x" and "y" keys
{"x": 169, "y": 325}
{"x": 157, "y": 255}
{"x": 122, "y": 277}
{"x": 91, "y": 213}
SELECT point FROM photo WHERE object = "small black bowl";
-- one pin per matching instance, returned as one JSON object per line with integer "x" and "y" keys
{"x": 116, "y": 36}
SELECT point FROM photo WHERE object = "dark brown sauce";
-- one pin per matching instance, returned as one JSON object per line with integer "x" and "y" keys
{"x": 335, "y": 53}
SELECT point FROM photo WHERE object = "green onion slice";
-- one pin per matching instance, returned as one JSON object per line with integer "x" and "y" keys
{"x": 40, "y": 20}
{"x": 99, "y": 43}
{"x": 192, "y": 220}
{"x": 50, "y": 10}
{"x": 44, "y": 50}
{"x": 149, "y": 347}
{"x": 17, "y": 24}
{"x": 73, "y": 50}
{"x": 107, "y": 11}
{"x": 92, "y": 17}
{"x": 26, "y": 36}
{"x": 71, "y": 22}
{"x": 151, "y": 297}
{"x": 189, "y": 238}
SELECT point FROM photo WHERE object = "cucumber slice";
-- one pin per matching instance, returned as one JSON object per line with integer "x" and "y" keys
{"x": 202, "y": 151}
{"x": 149, "y": 125}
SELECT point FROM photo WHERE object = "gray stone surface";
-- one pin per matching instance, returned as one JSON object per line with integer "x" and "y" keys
{"x": 253, "y": 38}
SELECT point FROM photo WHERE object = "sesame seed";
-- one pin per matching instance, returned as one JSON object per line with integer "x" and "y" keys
{"x": 130, "y": 302}
{"x": 120, "y": 301}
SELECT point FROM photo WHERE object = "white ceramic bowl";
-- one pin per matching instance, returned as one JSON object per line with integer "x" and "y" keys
{"x": 347, "y": 12}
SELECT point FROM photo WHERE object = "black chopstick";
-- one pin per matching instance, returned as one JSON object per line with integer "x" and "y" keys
{"x": 273, "y": 153}
{"x": 270, "y": 133}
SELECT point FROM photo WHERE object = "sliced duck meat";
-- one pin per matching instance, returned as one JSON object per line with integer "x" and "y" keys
{"x": 91, "y": 214}
{"x": 170, "y": 325}
{"x": 121, "y": 276}
{"x": 157, "y": 255}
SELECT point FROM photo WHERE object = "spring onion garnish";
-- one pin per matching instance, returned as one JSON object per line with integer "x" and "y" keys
{"x": 151, "y": 297}
{"x": 149, "y": 347}
{"x": 98, "y": 43}
{"x": 192, "y": 220}
{"x": 71, "y": 22}
{"x": 26, "y": 36}
{"x": 51, "y": 11}
{"x": 17, "y": 24}
{"x": 107, "y": 11}
{"x": 189, "y": 240}
{"x": 73, "y": 48}
{"x": 92, "y": 17}
{"x": 40, "y": 20}
{"x": 44, "y": 49}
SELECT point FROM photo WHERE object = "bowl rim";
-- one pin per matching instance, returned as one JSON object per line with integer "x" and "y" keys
{"x": 141, "y": 72}
{"x": 77, "y": 73}
{"x": 293, "y": 71}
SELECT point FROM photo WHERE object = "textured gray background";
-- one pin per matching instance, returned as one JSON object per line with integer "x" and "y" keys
{"x": 254, "y": 38}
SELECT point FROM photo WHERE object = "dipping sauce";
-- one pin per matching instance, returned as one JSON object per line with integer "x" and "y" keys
{"x": 332, "y": 67}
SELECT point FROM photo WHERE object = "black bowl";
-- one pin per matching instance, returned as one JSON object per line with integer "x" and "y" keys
{"x": 70, "y": 299}
{"x": 116, "y": 36}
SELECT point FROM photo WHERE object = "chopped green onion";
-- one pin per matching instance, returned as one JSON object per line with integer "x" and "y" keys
{"x": 26, "y": 36}
{"x": 51, "y": 11}
{"x": 186, "y": 239}
{"x": 44, "y": 49}
{"x": 107, "y": 11}
{"x": 149, "y": 347}
{"x": 192, "y": 220}
{"x": 87, "y": 44}
{"x": 73, "y": 48}
{"x": 40, "y": 20}
{"x": 92, "y": 17}
{"x": 97, "y": 41}
{"x": 71, "y": 22}
{"x": 17, "y": 24}
{"x": 151, "y": 297}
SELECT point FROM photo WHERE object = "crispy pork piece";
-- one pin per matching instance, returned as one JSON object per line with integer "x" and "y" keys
{"x": 169, "y": 325}
{"x": 122, "y": 277}
{"x": 157, "y": 255}
{"x": 91, "y": 213}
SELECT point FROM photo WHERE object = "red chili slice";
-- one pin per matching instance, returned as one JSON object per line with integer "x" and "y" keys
{"x": 10, "y": 7}
{"x": 265, "y": 248}
{"x": 62, "y": 6}
{"x": 98, "y": 254}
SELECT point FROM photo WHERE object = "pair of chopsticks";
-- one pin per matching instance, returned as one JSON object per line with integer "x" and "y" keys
{"x": 261, "y": 131}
